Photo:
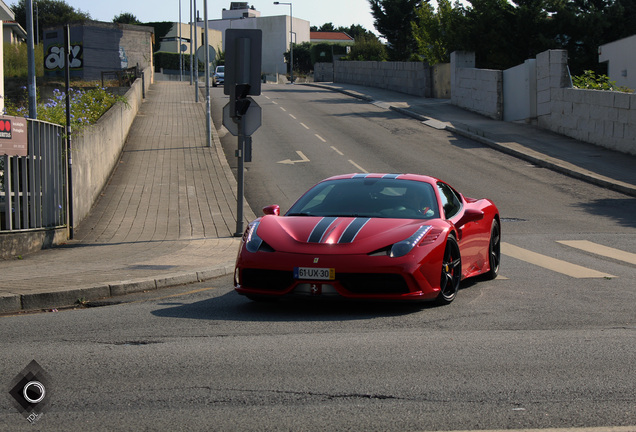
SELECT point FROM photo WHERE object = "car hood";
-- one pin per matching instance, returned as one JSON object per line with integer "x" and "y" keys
{"x": 338, "y": 235}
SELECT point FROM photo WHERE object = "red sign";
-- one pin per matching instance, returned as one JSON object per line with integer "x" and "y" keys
{"x": 13, "y": 136}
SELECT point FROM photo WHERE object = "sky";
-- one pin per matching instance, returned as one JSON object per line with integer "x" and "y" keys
{"x": 339, "y": 12}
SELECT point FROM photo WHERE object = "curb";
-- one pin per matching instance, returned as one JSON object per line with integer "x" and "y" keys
{"x": 55, "y": 299}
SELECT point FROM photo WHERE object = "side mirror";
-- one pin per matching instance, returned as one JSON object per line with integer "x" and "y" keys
{"x": 470, "y": 215}
{"x": 273, "y": 209}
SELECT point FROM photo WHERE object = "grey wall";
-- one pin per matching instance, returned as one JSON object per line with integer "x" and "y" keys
{"x": 407, "y": 77}
{"x": 478, "y": 90}
{"x": 98, "y": 47}
{"x": 96, "y": 151}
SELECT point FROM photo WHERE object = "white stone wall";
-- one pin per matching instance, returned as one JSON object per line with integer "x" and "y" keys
{"x": 604, "y": 118}
{"x": 478, "y": 90}
{"x": 406, "y": 77}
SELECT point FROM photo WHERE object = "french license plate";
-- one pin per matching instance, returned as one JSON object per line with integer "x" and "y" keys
{"x": 314, "y": 273}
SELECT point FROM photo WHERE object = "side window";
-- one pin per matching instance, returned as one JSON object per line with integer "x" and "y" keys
{"x": 450, "y": 201}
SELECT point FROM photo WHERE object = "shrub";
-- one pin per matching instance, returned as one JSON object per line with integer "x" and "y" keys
{"x": 87, "y": 106}
{"x": 591, "y": 81}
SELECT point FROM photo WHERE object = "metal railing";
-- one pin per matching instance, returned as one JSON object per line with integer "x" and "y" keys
{"x": 33, "y": 187}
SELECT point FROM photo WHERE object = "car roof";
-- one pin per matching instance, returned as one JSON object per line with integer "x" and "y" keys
{"x": 414, "y": 177}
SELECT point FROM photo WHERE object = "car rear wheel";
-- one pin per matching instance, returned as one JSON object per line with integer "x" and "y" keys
{"x": 494, "y": 250}
{"x": 451, "y": 272}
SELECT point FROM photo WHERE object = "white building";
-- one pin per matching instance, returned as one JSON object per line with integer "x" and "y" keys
{"x": 621, "y": 58}
{"x": 277, "y": 31}
{"x": 170, "y": 42}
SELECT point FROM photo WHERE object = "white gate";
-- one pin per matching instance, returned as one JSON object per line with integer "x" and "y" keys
{"x": 520, "y": 91}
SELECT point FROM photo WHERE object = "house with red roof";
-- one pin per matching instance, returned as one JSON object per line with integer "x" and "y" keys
{"x": 331, "y": 37}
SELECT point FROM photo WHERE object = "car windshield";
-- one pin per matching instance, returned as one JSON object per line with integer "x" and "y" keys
{"x": 220, "y": 69}
{"x": 369, "y": 197}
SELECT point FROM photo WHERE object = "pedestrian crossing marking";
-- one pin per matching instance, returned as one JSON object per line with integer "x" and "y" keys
{"x": 601, "y": 250}
{"x": 550, "y": 263}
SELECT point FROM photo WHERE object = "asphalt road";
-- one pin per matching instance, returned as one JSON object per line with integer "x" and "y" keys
{"x": 203, "y": 358}
{"x": 549, "y": 344}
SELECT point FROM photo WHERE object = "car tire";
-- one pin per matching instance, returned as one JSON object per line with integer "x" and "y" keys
{"x": 451, "y": 272}
{"x": 494, "y": 250}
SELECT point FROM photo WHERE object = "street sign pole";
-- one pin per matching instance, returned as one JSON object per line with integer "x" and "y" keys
{"x": 240, "y": 180}
{"x": 243, "y": 52}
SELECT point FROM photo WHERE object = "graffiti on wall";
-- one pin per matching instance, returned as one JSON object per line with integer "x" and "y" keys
{"x": 54, "y": 60}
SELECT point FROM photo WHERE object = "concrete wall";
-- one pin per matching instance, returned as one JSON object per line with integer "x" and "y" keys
{"x": 407, "y": 77}
{"x": 604, "y": 118}
{"x": 97, "y": 47}
{"x": 323, "y": 72}
{"x": 96, "y": 151}
{"x": 478, "y": 90}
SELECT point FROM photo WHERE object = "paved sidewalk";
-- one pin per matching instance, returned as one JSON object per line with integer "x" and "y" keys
{"x": 168, "y": 215}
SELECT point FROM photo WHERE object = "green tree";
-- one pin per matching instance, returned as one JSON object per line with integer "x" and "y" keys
{"x": 302, "y": 58}
{"x": 490, "y": 30}
{"x": 581, "y": 26}
{"x": 394, "y": 20}
{"x": 126, "y": 18}
{"x": 356, "y": 30}
{"x": 439, "y": 33}
{"x": 51, "y": 13}
{"x": 367, "y": 48}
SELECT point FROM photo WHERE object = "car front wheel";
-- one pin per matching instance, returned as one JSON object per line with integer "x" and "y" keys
{"x": 451, "y": 272}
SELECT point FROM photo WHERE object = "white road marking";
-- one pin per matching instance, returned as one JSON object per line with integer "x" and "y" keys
{"x": 337, "y": 151}
{"x": 358, "y": 166}
{"x": 292, "y": 116}
{"x": 304, "y": 125}
{"x": 601, "y": 250}
{"x": 303, "y": 158}
{"x": 320, "y": 138}
{"x": 550, "y": 263}
{"x": 283, "y": 109}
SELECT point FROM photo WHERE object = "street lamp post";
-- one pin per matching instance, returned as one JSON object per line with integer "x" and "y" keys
{"x": 291, "y": 38}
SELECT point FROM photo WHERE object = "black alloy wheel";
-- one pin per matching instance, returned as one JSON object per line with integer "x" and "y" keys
{"x": 451, "y": 272}
{"x": 494, "y": 250}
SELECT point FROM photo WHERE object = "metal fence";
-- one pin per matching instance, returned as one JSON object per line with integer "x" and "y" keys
{"x": 33, "y": 187}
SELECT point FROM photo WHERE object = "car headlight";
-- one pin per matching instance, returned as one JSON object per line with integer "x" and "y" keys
{"x": 253, "y": 241}
{"x": 403, "y": 247}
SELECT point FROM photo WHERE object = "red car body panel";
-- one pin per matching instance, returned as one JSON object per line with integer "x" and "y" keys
{"x": 355, "y": 249}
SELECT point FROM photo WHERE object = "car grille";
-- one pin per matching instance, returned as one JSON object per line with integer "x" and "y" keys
{"x": 357, "y": 283}
{"x": 373, "y": 283}
{"x": 266, "y": 280}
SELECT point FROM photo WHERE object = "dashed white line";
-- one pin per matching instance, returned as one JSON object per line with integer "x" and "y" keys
{"x": 304, "y": 125}
{"x": 337, "y": 151}
{"x": 320, "y": 138}
{"x": 358, "y": 166}
{"x": 283, "y": 109}
{"x": 292, "y": 116}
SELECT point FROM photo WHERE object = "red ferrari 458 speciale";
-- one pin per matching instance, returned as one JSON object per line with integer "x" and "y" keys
{"x": 371, "y": 236}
